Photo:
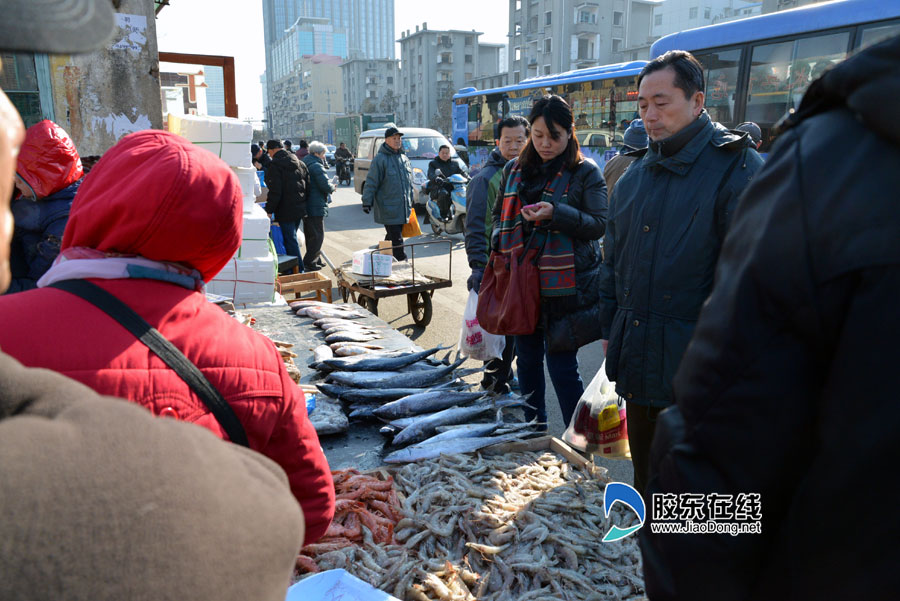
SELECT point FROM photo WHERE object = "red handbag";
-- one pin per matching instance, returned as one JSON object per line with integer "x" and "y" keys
{"x": 509, "y": 300}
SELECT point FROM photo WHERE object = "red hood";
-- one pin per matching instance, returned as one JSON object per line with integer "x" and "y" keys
{"x": 48, "y": 160}
{"x": 156, "y": 195}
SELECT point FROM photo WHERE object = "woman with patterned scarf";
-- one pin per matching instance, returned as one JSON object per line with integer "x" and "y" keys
{"x": 568, "y": 229}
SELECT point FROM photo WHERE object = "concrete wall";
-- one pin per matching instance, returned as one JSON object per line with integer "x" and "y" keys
{"x": 102, "y": 96}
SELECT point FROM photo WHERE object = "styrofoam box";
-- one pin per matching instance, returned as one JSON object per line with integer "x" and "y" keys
{"x": 246, "y": 293}
{"x": 365, "y": 261}
{"x": 256, "y": 224}
{"x": 259, "y": 270}
{"x": 221, "y": 287}
{"x": 249, "y": 181}
{"x": 249, "y": 203}
{"x": 254, "y": 249}
{"x": 227, "y": 138}
{"x": 229, "y": 272}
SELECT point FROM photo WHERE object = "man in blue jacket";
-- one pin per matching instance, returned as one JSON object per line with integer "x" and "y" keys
{"x": 481, "y": 195}
{"x": 389, "y": 189}
{"x": 667, "y": 219}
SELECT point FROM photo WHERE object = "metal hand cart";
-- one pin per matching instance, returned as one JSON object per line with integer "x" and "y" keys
{"x": 367, "y": 290}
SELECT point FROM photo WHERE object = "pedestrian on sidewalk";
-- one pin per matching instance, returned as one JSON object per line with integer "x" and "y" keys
{"x": 389, "y": 189}
{"x": 320, "y": 190}
{"x": 568, "y": 231}
{"x": 287, "y": 179}
{"x": 481, "y": 197}
{"x": 667, "y": 219}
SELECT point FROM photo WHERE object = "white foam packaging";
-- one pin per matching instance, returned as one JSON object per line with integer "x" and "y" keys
{"x": 368, "y": 263}
{"x": 225, "y": 137}
{"x": 256, "y": 270}
{"x": 229, "y": 272}
{"x": 256, "y": 224}
{"x": 252, "y": 249}
{"x": 249, "y": 181}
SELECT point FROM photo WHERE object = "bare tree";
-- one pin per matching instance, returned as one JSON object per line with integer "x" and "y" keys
{"x": 389, "y": 102}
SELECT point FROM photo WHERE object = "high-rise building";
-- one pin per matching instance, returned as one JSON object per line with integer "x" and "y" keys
{"x": 369, "y": 24}
{"x": 307, "y": 36}
{"x": 554, "y": 36}
{"x": 771, "y": 6}
{"x": 434, "y": 65}
{"x": 371, "y": 85}
{"x": 303, "y": 105}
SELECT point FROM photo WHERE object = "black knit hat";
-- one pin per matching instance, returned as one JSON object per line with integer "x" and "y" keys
{"x": 273, "y": 144}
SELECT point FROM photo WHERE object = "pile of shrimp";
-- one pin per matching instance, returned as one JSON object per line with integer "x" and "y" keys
{"x": 366, "y": 510}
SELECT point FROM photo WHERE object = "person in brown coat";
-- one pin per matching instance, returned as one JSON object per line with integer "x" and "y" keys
{"x": 100, "y": 499}
{"x": 635, "y": 138}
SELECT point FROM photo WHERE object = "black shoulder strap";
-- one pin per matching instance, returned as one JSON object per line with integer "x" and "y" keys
{"x": 166, "y": 351}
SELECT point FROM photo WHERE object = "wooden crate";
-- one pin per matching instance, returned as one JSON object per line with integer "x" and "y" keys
{"x": 292, "y": 287}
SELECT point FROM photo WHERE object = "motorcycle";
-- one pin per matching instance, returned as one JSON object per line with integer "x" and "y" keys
{"x": 344, "y": 170}
{"x": 446, "y": 206}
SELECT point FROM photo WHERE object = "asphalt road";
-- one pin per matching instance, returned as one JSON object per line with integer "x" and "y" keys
{"x": 348, "y": 229}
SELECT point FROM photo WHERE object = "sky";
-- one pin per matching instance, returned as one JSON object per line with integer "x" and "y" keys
{"x": 235, "y": 28}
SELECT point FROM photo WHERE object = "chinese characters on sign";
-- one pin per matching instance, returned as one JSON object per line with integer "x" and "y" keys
{"x": 696, "y": 513}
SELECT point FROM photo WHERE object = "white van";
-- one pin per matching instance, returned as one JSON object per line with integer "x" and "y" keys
{"x": 420, "y": 145}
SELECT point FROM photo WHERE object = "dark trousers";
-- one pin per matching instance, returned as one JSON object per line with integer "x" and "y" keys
{"x": 499, "y": 370}
{"x": 314, "y": 230}
{"x": 289, "y": 234}
{"x": 395, "y": 235}
{"x": 641, "y": 426}
{"x": 563, "y": 368}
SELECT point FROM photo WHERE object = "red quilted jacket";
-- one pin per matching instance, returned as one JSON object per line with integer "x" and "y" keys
{"x": 158, "y": 196}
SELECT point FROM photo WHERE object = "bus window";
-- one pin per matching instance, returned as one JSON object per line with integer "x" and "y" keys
{"x": 721, "y": 72}
{"x": 781, "y": 72}
{"x": 878, "y": 33}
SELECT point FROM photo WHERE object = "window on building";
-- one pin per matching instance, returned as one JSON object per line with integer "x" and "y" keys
{"x": 469, "y": 40}
{"x": 548, "y": 18}
{"x": 548, "y": 45}
{"x": 371, "y": 94}
{"x": 390, "y": 80}
{"x": 518, "y": 54}
{"x": 617, "y": 17}
{"x": 657, "y": 20}
{"x": 517, "y": 77}
{"x": 518, "y": 4}
{"x": 18, "y": 78}
{"x": 692, "y": 14}
{"x": 533, "y": 24}
{"x": 583, "y": 49}
{"x": 616, "y": 45}
{"x": 586, "y": 16}
{"x": 707, "y": 12}
{"x": 468, "y": 59}
{"x": 547, "y": 70}
{"x": 420, "y": 59}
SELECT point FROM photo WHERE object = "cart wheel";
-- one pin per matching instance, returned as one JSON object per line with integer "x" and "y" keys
{"x": 434, "y": 227}
{"x": 420, "y": 308}
{"x": 369, "y": 304}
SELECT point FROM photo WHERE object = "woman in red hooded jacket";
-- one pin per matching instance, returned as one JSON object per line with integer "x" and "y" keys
{"x": 48, "y": 173}
{"x": 157, "y": 217}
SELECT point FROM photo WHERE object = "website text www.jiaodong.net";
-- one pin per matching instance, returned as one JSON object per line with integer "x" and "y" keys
{"x": 732, "y": 528}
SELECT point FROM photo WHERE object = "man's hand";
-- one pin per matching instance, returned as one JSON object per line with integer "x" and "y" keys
{"x": 474, "y": 281}
{"x": 366, "y": 209}
{"x": 542, "y": 211}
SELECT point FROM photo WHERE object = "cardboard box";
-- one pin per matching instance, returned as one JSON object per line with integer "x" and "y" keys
{"x": 227, "y": 138}
{"x": 366, "y": 262}
{"x": 256, "y": 223}
{"x": 252, "y": 249}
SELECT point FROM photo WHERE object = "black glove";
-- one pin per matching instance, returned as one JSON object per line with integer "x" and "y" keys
{"x": 366, "y": 209}
{"x": 495, "y": 239}
{"x": 474, "y": 281}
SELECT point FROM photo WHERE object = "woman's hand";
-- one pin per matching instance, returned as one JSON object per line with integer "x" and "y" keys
{"x": 542, "y": 211}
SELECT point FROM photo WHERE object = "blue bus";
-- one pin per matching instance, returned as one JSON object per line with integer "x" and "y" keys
{"x": 758, "y": 68}
{"x": 603, "y": 100}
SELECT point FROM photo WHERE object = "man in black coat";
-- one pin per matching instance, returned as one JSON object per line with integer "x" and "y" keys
{"x": 789, "y": 388}
{"x": 443, "y": 165}
{"x": 288, "y": 181}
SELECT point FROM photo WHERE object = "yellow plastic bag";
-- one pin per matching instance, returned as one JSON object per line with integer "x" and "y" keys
{"x": 411, "y": 229}
{"x": 598, "y": 425}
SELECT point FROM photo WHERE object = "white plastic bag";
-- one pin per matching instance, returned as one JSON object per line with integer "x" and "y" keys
{"x": 598, "y": 425}
{"x": 474, "y": 342}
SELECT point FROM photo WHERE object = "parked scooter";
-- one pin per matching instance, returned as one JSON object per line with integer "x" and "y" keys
{"x": 446, "y": 206}
{"x": 344, "y": 170}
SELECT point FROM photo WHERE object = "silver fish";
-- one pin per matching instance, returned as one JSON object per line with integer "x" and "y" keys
{"x": 331, "y": 321}
{"x": 381, "y": 362}
{"x": 322, "y": 352}
{"x": 351, "y": 337}
{"x": 476, "y": 430}
{"x": 323, "y": 312}
{"x": 424, "y": 402}
{"x": 351, "y": 350}
{"x": 373, "y": 395}
{"x": 308, "y": 303}
{"x": 419, "y": 452}
{"x": 420, "y": 379}
{"x": 424, "y": 425}
{"x": 353, "y": 329}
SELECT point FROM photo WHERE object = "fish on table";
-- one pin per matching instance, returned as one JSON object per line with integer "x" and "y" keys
{"x": 425, "y": 402}
{"x": 419, "y": 379}
{"x": 424, "y": 426}
{"x": 419, "y": 452}
{"x": 348, "y": 336}
{"x": 381, "y": 362}
{"x": 375, "y": 395}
